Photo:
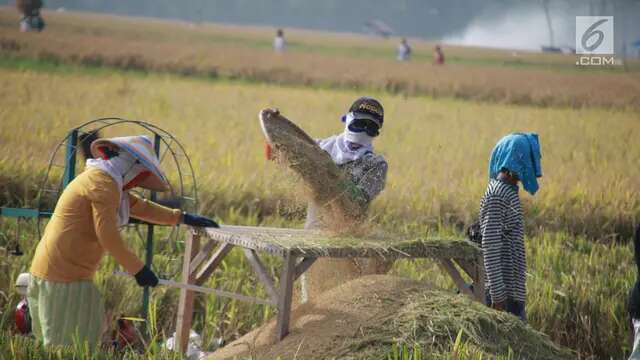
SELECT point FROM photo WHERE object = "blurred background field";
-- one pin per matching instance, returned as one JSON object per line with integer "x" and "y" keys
{"x": 440, "y": 126}
{"x": 323, "y": 59}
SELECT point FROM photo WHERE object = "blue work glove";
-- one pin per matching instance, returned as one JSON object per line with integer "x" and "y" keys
{"x": 146, "y": 277}
{"x": 197, "y": 220}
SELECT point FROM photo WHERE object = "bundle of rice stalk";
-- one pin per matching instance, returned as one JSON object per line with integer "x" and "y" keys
{"x": 328, "y": 186}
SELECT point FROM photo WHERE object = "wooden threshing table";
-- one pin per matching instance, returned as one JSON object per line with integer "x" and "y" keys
{"x": 299, "y": 249}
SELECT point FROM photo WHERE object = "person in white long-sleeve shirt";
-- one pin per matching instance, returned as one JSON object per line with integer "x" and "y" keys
{"x": 279, "y": 43}
{"x": 404, "y": 50}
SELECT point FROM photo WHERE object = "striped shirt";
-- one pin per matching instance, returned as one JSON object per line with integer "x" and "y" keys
{"x": 502, "y": 227}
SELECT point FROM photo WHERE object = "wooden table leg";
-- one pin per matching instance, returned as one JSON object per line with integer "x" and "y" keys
{"x": 453, "y": 272}
{"x": 475, "y": 270}
{"x": 210, "y": 265}
{"x": 185, "y": 304}
{"x": 262, "y": 273}
{"x": 286, "y": 293}
{"x": 479, "y": 280}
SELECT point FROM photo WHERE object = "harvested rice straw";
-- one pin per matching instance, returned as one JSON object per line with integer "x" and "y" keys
{"x": 327, "y": 185}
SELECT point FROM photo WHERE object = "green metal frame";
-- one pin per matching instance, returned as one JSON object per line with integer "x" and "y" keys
{"x": 69, "y": 175}
{"x": 19, "y": 212}
{"x": 70, "y": 159}
{"x": 148, "y": 258}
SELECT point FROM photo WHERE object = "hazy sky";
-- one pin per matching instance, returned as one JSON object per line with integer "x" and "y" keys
{"x": 517, "y": 24}
{"x": 522, "y": 27}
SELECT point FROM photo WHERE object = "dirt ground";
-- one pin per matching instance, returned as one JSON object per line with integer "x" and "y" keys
{"x": 361, "y": 318}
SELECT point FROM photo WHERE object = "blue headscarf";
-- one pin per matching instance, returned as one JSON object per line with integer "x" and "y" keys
{"x": 520, "y": 154}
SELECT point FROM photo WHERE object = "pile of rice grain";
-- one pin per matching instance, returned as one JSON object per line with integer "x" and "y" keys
{"x": 364, "y": 318}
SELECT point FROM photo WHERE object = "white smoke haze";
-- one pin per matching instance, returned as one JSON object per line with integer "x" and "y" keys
{"x": 518, "y": 29}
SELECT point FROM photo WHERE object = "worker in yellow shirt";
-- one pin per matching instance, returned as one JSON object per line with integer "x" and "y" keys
{"x": 65, "y": 305}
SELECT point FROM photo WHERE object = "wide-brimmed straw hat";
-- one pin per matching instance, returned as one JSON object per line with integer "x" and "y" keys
{"x": 141, "y": 148}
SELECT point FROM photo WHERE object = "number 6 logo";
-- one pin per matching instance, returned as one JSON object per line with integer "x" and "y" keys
{"x": 594, "y": 35}
{"x": 591, "y": 32}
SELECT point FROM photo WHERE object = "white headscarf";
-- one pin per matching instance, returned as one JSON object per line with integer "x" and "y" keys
{"x": 349, "y": 145}
{"x": 122, "y": 168}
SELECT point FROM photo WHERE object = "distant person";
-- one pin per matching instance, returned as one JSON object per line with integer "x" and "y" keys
{"x": 516, "y": 158}
{"x": 31, "y": 18}
{"x": 404, "y": 50}
{"x": 279, "y": 43}
{"x": 438, "y": 55}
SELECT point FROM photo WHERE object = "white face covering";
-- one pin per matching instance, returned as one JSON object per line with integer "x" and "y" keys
{"x": 636, "y": 338}
{"x": 349, "y": 145}
{"x": 122, "y": 168}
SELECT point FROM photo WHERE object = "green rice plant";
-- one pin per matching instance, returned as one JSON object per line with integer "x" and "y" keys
{"x": 582, "y": 190}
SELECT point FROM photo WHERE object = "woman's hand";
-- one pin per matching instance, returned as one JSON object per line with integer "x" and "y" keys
{"x": 199, "y": 221}
{"x": 146, "y": 277}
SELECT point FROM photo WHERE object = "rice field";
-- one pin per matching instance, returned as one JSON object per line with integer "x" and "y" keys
{"x": 438, "y": 150}
{"x": 578, "y": 225}
{"x": 321, "y": 59}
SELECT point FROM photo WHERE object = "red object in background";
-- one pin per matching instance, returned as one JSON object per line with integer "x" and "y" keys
{"x": 103, "y": 152}
{"x": 127, "y": 334}
{"x": 268, "y": 151}
{"x": 23, "y": 318}
{"x": 438, "y": 56}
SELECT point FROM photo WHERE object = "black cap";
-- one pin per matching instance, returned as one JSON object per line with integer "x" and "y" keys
{"x": 368, "y": 108}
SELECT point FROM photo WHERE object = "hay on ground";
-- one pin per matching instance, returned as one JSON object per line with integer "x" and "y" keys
{"x": 363, "y": 318}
